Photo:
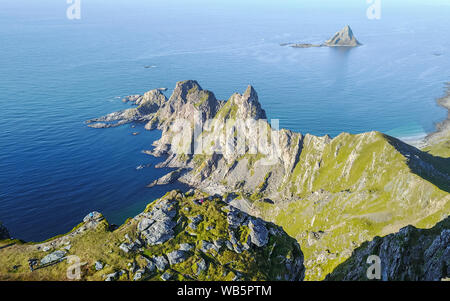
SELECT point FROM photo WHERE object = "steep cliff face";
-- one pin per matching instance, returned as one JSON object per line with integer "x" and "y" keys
{"x": 189, "y": 236}
{"x": 411, "y": 254}
{"x": 330, "y": 194}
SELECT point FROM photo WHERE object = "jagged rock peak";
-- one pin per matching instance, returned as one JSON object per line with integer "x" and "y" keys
{"x": 251, "y": 94}
{"x": 344, "y": 37}
{"x": 248, "y": 105}
{"x": 182, "y": 88}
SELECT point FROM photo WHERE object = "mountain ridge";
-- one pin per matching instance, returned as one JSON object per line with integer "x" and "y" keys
{"x": 385, "y": 183}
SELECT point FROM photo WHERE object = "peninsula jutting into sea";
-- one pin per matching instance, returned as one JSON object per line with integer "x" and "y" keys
{"x": 343, "y": 38}
{"x": 147, "y": 141}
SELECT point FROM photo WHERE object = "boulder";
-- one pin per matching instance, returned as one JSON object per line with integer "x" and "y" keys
{"x": 98, "y": 265}
{"x": 201, "y": 266}
{"x": 159, "y": 232}
{"x": 207, "y": 246}
{"x": 166, "y": 276}
{"x": 258, "y": 232}
{"x": 235, "y": 217}
{"x": 186, "y": 247}
{"x": 53, "y": 257}
{"x": 177, "y": 256}
{"x": 160, "y": 262}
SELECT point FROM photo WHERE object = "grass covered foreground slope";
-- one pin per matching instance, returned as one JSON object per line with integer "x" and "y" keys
{"x": 175, "y": 238}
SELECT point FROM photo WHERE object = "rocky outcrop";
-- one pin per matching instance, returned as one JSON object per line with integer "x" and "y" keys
{"x": 411, "y": 254}
{"x": 53, "y": 257}
{"x": 167, "y": 179}
{"x": 342, "y": 38}
{"x": 159, "y": 244}
{"x": 180, "y": 220}
{"x": 4, "y": 234}
{"x": 92, "y": 220}
{"x": 157, "y": 226}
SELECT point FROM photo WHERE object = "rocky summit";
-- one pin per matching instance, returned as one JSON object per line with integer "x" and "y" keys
{"x": 344, "y": 37}
{"x": 189, "y": 236}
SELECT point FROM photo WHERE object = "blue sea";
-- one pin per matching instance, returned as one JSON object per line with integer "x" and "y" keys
{"x": 55, "y": 73}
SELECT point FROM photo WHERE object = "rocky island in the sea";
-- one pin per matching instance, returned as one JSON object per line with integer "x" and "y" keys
{"x": 306, "y": 201}
{"x": 343, "y": 38}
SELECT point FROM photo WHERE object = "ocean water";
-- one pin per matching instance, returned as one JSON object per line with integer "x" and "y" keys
{"x": 55, "y": 73}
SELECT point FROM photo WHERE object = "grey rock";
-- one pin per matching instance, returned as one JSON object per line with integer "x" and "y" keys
{"x": 53, "y": 257}
{"x": 186, "y": 247}
{"x": 92, "y": 219}
{"x": 139, "y": 274}
{"x": 201, "y": 266}
{"x": 177, "y": 256}
{"x": 98, "y": 265}
{"x": 144, "y": 224}
{"x": 207, "y": 246}
{"x": 127, "y": 247}
{"x": 344, "y": 37}
{"x": 218, "y": 243}
{"x": 258, "y": 232}
{"x": 159, "y": 232}
{"x": 127, "y": 237}
{"x": 196, "y": 219}
{"x": 410, "y": 254}
{"x": 167, "y": 179}
{"x": 112, "y": 277}
{"x": 160, "y": 262}
{"x": 229, "y": 245}
{"x": 166, "y": 276}
{"x": 236, "y": 218}
{"x": 150, "y": 267}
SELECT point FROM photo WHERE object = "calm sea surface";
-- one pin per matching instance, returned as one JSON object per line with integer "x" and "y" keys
{"x": 55, "y": 73}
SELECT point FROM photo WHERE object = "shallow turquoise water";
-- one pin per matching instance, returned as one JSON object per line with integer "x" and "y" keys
{"x": 55, "y": 73}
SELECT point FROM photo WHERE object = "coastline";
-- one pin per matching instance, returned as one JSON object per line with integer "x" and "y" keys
{"x": 440, "y": 135}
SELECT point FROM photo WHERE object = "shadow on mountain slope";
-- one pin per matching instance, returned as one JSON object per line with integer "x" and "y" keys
{"x": 435, "y": 170}
{"x": 410, "y": 254}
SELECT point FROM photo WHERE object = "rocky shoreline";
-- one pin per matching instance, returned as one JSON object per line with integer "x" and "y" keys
{"x": 441, "y": 137}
